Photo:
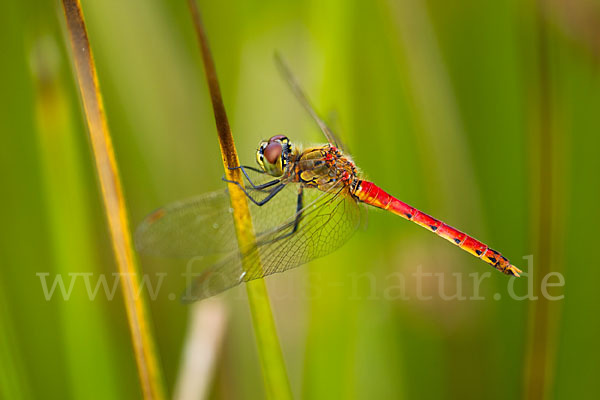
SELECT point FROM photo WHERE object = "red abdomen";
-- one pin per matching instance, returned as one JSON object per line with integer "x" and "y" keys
{"x": 372, "y": 194}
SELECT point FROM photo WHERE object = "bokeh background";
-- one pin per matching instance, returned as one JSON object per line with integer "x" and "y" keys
{"x": 484, "y": 114}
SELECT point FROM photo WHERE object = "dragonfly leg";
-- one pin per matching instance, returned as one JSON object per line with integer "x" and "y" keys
{"x": 257, "y": 187}
{"x": 299, "y": 207}
{"x": 243, "y": 167}
{"x": 262, "y": 202}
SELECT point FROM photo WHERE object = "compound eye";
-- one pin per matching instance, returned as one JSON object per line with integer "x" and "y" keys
{"x": 272, "y": 152}
{"x": 277, "y": 138}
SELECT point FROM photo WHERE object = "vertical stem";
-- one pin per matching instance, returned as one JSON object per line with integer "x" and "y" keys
{"x": 542, "y": 329}
{"x": 114, "y": 204}
{"x": 269, "y": 350}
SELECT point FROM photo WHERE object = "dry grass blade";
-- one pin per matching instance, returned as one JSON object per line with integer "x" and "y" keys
{"x": 116, "y": 213}
{"x": 202, "y": 349}
{"x": 273, "y": 365}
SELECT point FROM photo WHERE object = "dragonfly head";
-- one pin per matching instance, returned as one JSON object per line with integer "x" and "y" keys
{"x": 273, "y": 155}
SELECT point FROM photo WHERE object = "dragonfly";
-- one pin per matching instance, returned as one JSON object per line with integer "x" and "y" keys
{"x": 304, "y": 203}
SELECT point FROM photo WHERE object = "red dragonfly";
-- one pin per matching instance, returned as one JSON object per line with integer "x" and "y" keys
{"x": 305, "y": 203}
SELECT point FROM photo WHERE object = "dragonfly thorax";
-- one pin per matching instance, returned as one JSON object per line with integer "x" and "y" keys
{"x": 324, "y": 167}
{"x": 273, "y": 155}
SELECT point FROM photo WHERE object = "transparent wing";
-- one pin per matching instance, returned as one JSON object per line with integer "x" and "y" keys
{"x": 198, "y": 226}
{"x": 324, "y": 224}
{"x": 299, "y": 93}
{"x": 203, "y": 225}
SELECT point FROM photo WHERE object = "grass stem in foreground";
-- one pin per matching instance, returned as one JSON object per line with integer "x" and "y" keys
{"x": 114, "y": 203}
{"x": 271, "y": 357}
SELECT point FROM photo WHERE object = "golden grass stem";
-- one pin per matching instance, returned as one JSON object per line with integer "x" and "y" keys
{"x": 114, "y": 203}
{"x": 271, "y": 357}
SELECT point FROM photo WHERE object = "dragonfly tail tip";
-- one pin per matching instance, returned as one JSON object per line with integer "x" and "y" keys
{"x": 512, "y": 270}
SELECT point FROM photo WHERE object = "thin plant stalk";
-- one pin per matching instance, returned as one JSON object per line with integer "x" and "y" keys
{"x": 114, "y": 203}
{"x": 539, "y": 366}
{"x": 271, "y": 357}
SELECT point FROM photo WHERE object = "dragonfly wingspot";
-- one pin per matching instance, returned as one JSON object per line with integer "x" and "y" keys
{"x": 242, "y": 276}
{"x": 156, "y": 215}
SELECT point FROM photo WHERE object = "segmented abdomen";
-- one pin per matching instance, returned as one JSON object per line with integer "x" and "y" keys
{"x": 372, "y": 194}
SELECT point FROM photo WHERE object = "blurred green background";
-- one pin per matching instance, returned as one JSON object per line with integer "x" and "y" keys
{"x": 480, "y": 113}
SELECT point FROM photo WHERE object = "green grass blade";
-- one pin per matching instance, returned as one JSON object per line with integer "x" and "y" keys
{"x": 272, "y": 362}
